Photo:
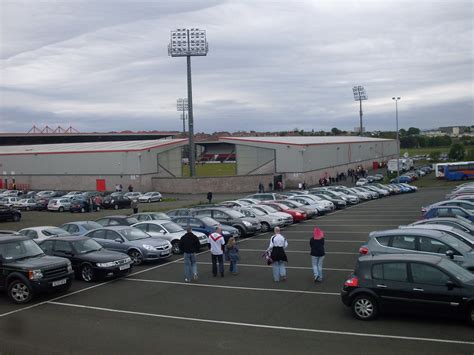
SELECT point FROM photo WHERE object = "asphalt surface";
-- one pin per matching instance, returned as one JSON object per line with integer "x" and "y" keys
{"x": 154, "y": 311}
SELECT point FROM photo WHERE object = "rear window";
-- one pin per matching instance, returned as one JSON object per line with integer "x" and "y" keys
{"x": 390, "y": 272}
{"x": 383, "y": 240}
{"x": 404, "y": 242}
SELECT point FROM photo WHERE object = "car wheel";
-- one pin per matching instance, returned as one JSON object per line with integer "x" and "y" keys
{"x": 20, "y": 292}
{"x": 97, "y": 208}
{"x": 136, "y": 256}
{"x": 364, "y": 307}
{"x": 28, "y": 208}
{"x": 116, "y": 207}
{"x": 87, "y": 273}
{"x": 175, "y": 247}
{"x": 470, "y": 314}
{"x": 149, "y": 200}
{"x": 61, "y": 209}
{"x": 83, "y": 210}
{"x": 265, "y": 227}
{"x": 16, "y": 217}
{"x": 241, "y": 231}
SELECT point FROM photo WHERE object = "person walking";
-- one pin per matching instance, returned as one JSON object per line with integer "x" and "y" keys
{"x": 209, "y": 197}
{"x": 130, "y": 188}
{"x": 134, "y": 205}
{"x": 189, "y": 245}
{"x": 317, "y": 253}
{"x": 278, "y": 244}
{"x": 216, "y": 244}
{"x": 232, "y": 254}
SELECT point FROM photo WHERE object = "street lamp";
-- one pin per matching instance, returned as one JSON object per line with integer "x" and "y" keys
{"x": 182, "y": 105}
{"x": 398, "y": 138}
{"x": 189, "y": 43}
{"x": 359, "y": 95}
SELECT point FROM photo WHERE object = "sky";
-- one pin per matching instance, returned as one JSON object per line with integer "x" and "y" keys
{"x": 103, "y": 65}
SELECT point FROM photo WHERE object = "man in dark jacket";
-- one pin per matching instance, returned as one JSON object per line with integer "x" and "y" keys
{"x": 189, "y": 245}
{"x": 317, "y": 253}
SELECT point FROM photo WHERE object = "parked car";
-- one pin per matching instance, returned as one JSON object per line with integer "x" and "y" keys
{"x": 418, "y": 241}
{"x": 89, "y": 260}
{"x": 206, "y": 225}
{"x": 378, "y": 177}
{"x": 150, "y": 216}
{"x": 469, "y": 198}
{"x": 268, "y": 210}
{"x": 309, "y": 211}
{"x": 448, "y": 211}
{"x": 403, "y": 179}
{"x": 59, "y": 204}
{"x": 338, "y": 202}
{"x": 48, "y": 194}
{"x": 312, "y": 201}
{"x": 132, "y": 195}
{"x": 362, "y": 182}
{"x": 297, "y": 214}
{"x": 267, "y": 196}
{"x": 82, "y": 205}
{"x": 352, "y": 199}
{"x": 457, "y": 222}
{"x": 409, "y": 283}
{"x": 9, "y": 201}
{"x": 179, "y": 212}
{"x": 234, "y": 204}
{"x": 26, "y": 271}
{"x": 73, "y": 193}
{"x": 9, "y": 214}
{"x": 26, "y": 204}
{"x": 268, "y": 222}
{"x": 170, "y": 231}
{"x": 469, "y": 206}
{"x": 42, "y": 232}
{"x": 80, "y": 227}
{"x": 153, "y": 196}
{"x": 246, "y": 226}
{"x": 116, "y": 202}
{"x": 119, "y": 220}
{"x": 453, "y": 231}
{"x": 133, "y": 242}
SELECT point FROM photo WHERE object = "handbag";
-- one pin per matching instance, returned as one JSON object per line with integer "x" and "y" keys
{"x": 267, "y": 256}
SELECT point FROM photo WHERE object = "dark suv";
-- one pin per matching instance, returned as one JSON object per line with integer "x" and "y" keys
{"x": 409, "y": 283}
{"x": 246, "y": 225}
{"x": 25, "y": 270}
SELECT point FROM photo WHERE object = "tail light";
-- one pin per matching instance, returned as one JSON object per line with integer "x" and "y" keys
{"x": 352, "y": 281}
{"x": 363, "y": 250}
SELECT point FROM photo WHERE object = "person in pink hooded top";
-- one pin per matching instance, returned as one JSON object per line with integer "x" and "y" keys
{"x": 317, "y": 253}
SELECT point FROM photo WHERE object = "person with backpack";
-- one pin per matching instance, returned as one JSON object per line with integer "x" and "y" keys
{"x": 317, "y": 253}
{"x": 232, "y": 254}
{"x": 278, "y": 244}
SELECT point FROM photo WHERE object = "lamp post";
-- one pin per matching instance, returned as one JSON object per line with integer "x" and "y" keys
{"x": 398, "y": 137}
{"x": 189, "y": 43}
{"x": 182, "y": 105}
{"x": 359, "y": 95}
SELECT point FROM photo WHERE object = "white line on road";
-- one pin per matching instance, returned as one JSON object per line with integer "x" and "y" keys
{"x": 287, "y": 267}
{"x": 304, "y": 251}
{"x": 307, "y": 240}
{"x": 330, "y": 232}
{"x": 265, "y": 326}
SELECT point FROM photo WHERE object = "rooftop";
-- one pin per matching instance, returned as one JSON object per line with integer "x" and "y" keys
{"x": 306, "y": 140}
{"x": 90, "y": 147}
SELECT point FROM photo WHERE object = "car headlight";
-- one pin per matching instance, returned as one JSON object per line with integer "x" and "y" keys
{"x": 148, "y": 247}
{"x": 297, "y": 214}
{"x": 109, "y": 264}
{"x": 35, "y": 274}
{"x": 111, "y": 201}
{"x": 246, "y": 223}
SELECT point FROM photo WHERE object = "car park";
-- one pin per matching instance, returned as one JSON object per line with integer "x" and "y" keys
{"x": 133, "y": 242}
{"x": 119, "y": 220}
{"x": 42, "y": 232}
{"x": 26, "y": 271}
{"x": 89, "y": 260}
{"x": 285, "y": 217}
{"x": 408, "y": 283}
{"x": 206, "y": 225}
{"x": 27, "y": 204}
{"x": 419, "y": 241}
{"x": 448, "y": 211}
{"x": 59, "y": 204}
{"x": 297, "y": 214}
{"x": 9, "y": 214}
{"x": 153, "y": 196}
{"x": 80, "y": 227}
{"x": 170, "y": 231}
{"x": 116, "y": 202}
{"x": 268, "y": 222}
{"x": 150, "y": 216}
{"x": 310, "y": 211}
{"x": 246, "y": 226}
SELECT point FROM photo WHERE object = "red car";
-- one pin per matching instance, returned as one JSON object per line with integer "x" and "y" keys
{"x": 297, "y": 214}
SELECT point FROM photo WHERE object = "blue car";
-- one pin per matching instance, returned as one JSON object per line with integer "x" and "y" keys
{"x": 206, "y": 225}
{"x": 448, "y": 211}
{"x": 401, "y": 179}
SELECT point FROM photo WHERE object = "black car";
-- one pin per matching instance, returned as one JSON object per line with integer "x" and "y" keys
{"x": 206, "y": 225}
{"x": 25, "y": 270}
{"x": 409, "y": 283}
{"x": 83, "y": 205}
{"x": 42, "y": 203}
{"x": 117, "y": 221}
{"x": 89, "y": 260}
{"x": 9, "y": 214}
{"x": 116, "y": 202}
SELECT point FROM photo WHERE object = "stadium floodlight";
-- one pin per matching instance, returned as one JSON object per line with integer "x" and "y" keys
{"x": 182, "y": 106}
{"x": 398, "y": 137}
{"x": 359, "y": 95}
{"x": 189, "y": 43}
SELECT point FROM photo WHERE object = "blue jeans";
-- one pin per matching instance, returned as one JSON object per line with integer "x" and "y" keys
{"x": 279, "y": 270}
{"x": 317, "y": 262}
{"x": 190, "y": 266}
{"x": 233, "y": 266}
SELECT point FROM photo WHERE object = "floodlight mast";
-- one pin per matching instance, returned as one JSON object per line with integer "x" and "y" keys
{"x": 359, "y": 95}
{"x": 398, "y": 137}
{"x": 188, "y": 43}
{"x": 182, "y": 105}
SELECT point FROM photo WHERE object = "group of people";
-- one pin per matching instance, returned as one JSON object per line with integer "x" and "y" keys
{"x": 220, "y": 250}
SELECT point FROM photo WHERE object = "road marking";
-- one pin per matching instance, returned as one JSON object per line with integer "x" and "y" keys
{"x": 307, "y": 240}
{"x": 264, "y": 326}
{"x": 332, "y": 232}
{"x": 304, "y": 251}
{"x": 356, "y": 225}
{"x": 287, "y": 267}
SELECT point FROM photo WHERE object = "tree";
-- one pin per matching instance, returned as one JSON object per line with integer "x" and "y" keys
{"x": 457, "y": 152}
{"x": 412, "y": 131}
{"x": 402, "y": 132}
{"x": 470, "y": 155}
{"x": 335, "y": 131}
{"x": 434, "y": 156}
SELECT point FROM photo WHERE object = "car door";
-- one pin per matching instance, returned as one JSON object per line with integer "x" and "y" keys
{"x": 392, "y": 285}
{"x": 48, "y": 247}
{"x": 99, "y": 237}
{"x": 430, "y": 290}
{"x": 402, "y": 244}
{"x": 64, "y": 249}
{"x": 222, "y": 217}
{"x": 433, "y": 246}
{"x": 197, "y": 225}
{"x": 115, "y": 241}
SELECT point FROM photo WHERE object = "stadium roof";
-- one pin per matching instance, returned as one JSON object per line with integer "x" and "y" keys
{"x": 305, "y": 140}
{"x": 91, "y": 147}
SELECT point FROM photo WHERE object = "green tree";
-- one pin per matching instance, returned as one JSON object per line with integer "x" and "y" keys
{"x": 457, "y": 152}
{"x": 412, "y": 131}
{"x": 434, "y": 156}
{"x": 402, "y": 132}
{"x": 470, "y": 155}
{"x": 335, "y": 131}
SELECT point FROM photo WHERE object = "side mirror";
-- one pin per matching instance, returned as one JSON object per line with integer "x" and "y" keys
{"x": 450, "y": 285}
{"x": 450, "y": 254}
{"x": 118, "y": 240}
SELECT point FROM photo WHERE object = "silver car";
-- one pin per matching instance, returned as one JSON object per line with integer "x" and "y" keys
{"x": 460, "y": 223}
{"x": 456, "y": 233}
{"x": 419, "y": 241}
{"x": 59, "y": 204}
{"x": 267, "y": 221}
{"x": 286, "y": 218}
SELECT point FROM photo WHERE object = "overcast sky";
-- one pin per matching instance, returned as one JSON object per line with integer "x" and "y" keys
{"x": 103, "y": 65}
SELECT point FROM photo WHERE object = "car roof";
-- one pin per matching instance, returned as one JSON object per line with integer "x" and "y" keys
{"x": 79, "y": 222}
{"x": 158, "y": 221}
{"x": 442, "y": 227}
{"x": 417, "y": 231}
{"x": 38, "y": 228}
{"x": 68, "y": 238}
{"x": 115, "y": 227}
{"x": 114, "y": 216}
{"x": 12, "y": 238}
{"x": 402, "y": 257}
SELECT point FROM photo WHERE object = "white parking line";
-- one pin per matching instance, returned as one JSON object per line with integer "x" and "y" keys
{"x": 307, "y": 240}
{"x": 265, "y": 326}
{"x": 304, "y": 251}
{"x": 287, "y": 267}
{"x": 331, "y": 232}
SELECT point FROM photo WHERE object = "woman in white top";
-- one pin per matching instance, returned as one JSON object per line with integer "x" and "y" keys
{"x": 278, "y": 244}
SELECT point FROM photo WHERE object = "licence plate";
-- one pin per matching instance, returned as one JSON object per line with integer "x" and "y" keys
{"x": 124, "y": 267}
{"x": 59, "y": 282}
{"x": 163, "y": 253}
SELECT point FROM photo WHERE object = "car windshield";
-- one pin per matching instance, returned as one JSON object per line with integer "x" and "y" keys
{"x": 24, "y": 200}
{"x": 257, "y": 212}
{"x": 159, "y": 215}
{"x": 85, "y": 246}
{"x": 172, "y": 227}
{"x": 134, "y": 234}
{"x": 148, "y": 194}
{"x": 269, "y": 209}
{"x": 208, "y": 221}
{"x": 54, "y": 231}
{"x": 234, "y": 214}
{"x": 20, "y": 250}
{"x": 457, "y": 271}
{"x": 456, "y": 243}
{"x": 294, "y": 204}
{"x": 91, "y": 225}
{"x": 131, "y": 220}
